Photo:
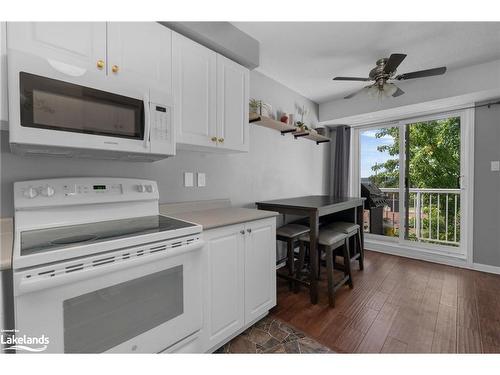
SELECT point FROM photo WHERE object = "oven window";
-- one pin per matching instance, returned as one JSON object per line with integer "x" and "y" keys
{"x": 52, "y": 104}
{"x": 100, "y": 320}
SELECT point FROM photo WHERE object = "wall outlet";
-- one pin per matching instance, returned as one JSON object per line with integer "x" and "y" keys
{"x": 495, "y": 166}
{"x": 201, "y": 178}
{"x": 188, "y": 179}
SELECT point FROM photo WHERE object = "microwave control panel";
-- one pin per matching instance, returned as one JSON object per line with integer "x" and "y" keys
{"x": 161, "y": 121}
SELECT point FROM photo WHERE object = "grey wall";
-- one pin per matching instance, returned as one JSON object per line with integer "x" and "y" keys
{"x": 276, "y": 166}
{"x": 486, "y": 187}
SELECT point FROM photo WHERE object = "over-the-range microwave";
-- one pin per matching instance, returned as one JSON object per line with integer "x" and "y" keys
{"x": 64, "y": 110}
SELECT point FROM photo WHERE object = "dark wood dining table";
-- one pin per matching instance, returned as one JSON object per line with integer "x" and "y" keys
{"x": 314, "y": 207}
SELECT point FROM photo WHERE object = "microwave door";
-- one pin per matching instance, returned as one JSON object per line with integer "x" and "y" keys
{"x": 51, "y": 104}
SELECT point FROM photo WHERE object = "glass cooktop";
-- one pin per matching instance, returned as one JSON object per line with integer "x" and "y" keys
{"x": 42, "y": 240}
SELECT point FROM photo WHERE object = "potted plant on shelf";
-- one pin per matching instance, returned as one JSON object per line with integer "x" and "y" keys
{"x": 256, "y": 106}
{"x": 301, "y": 127}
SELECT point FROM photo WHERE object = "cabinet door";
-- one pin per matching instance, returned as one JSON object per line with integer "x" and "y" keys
{"x": 224, "y": 286}
{"x": 80, "y": 44}
{"x": 260, "y": 268}
{"x": 194, "y": 73}
{"x": 232, "y": 104}
{"x": 141, "y": 51}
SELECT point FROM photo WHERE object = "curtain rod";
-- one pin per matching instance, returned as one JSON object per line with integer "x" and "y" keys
{"x": 483, "y": 105}
{"x": 395, "y": 121}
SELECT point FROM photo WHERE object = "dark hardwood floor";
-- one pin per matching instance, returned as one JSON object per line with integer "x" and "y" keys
{"x": 401, "y": 305}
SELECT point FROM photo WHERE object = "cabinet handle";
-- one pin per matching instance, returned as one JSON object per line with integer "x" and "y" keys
{"x": 100, "y": 64}
{"x": 214, "y": 139}
{"x": 115, "y": 68}
{"x": 242, "y": 231}
{"x": 249, "y": 230}
{"x": 221, "y": 140}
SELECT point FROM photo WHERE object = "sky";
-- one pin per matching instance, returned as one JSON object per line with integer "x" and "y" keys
{"x": 369, "y": 153}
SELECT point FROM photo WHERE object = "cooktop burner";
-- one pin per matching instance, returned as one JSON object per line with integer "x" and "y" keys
{"x": 42, "y": 240}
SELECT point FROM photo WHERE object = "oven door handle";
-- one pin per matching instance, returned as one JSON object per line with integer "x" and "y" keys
{"x": 32, "y": 284}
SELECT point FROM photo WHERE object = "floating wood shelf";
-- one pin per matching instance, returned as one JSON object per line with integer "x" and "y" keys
{"x": 268, "y": 122}
{"x": 318, "y": 138}
{"x": 255, "y": 118}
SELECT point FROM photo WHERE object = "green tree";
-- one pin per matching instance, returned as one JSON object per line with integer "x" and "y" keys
{"x": 434, "y": 155}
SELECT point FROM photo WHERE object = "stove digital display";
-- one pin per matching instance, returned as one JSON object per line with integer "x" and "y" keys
{"x": 99, "y": 187}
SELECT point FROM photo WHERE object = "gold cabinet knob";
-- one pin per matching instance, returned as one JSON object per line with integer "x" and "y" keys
{"x": 214, "y": 139}
{"x": 100, "y": 64}
{"x": 115, "y": 68}
{"x": 221, "y": 140}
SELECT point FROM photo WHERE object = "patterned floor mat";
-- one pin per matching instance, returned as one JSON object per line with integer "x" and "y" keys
{"x": 270, "y": 335}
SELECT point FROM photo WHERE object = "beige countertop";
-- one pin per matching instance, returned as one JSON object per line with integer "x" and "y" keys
{"x": 220, "y": 217}
{"x": 209, "y": 218}
{"x": 5, "y": 243}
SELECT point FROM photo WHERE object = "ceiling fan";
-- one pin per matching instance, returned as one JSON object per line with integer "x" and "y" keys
{"x": 385, "y": 71}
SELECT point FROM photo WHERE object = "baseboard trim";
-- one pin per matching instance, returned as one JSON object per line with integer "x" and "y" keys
{"x": 486, "y": 268}
{"x": 393, "y": 249}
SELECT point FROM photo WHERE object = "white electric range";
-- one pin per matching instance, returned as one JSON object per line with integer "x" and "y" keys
{"x": 97, "y": 269}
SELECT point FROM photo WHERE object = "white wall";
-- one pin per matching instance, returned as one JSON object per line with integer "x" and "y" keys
{"x": 276, "y": 166}
{"x": 465, "y": 81}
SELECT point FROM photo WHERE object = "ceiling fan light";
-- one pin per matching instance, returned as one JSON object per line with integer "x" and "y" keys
{"x": 373, "y": 91}
{"x": 389, "y": 89}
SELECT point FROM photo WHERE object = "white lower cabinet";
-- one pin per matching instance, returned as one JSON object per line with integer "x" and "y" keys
{"x": 239, "y": 278}
{"x": 260, "y": 269}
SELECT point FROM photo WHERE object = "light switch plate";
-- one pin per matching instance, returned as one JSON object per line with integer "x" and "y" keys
{"x": 188, "y": 179}
{"x": 495, "y": 166}
{"x": 201, "y": 178}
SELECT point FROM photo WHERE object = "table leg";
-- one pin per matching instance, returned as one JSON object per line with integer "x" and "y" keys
{"x": 359, "y": 220}
{"x": 313, "y": 254}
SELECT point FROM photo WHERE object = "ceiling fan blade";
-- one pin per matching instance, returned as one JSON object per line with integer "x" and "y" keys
{"x": 398, "y": 92}
{"x": 351, "y": 79}
{"x": 394, "y": 60}
{"x": 356, "y": 93}
{"x": 422, "y": 73}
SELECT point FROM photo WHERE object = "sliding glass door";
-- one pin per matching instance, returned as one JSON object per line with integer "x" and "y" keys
{"x": 419, "y": 167}
{"x": 432, "y": 181}
{"x": 379, "y": 172}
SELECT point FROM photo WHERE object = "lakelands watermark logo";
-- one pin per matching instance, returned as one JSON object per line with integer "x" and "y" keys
{"x": 12, "y": 340}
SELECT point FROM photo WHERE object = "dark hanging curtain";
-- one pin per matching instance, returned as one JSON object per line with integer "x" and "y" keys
{"x": 340, "y": 156}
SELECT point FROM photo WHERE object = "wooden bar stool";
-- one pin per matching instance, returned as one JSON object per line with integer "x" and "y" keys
{"x": 351, "y": 230}
{"x": 329, "y": 241}
{"x": 290, "y": 234}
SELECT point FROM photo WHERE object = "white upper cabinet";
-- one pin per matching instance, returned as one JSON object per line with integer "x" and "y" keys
{"x": 232, "y": 105}
{"x": 211, "y": 96}
{"x": 260, "y": 268}
{"x": 128, "y": 51}
{"x": 81, "y": 44}
{"x": 141, "y": 51}
{"x": 194, "y": 73}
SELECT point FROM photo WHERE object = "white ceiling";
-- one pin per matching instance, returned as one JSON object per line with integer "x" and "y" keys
{"x": 305, "y": 56}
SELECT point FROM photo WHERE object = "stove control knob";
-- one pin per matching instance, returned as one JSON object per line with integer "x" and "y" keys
{"x": 141, "y": 188}
{"x": 30, "y": 192}
{"x": 48, "y": 191}
{"x": 149, "y": 188}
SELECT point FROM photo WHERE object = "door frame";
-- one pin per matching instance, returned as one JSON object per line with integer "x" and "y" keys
{"x": 406, "y": 247}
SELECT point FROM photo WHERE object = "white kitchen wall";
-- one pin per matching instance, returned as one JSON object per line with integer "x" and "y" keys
{"x": 276, "y": 166}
